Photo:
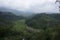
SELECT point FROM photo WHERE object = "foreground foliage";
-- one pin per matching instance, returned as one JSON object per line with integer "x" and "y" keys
{"x": 13, "y": 27}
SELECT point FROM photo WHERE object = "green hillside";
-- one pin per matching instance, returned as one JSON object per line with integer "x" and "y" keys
{"x": 19, "y": 25}
{"x": 37, "y": 27}
{"x": 42, "y": 21}
{"x": 10, "y": 26}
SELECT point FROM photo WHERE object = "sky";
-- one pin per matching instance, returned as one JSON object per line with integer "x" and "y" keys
{"x": 36, "y": 6}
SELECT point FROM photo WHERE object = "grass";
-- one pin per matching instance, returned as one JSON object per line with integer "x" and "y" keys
{"x": 20, "y": 25}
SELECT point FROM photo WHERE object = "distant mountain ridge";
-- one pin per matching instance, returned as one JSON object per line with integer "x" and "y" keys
{"x": 17, "y": 12}
{"x": 10, "y": 10}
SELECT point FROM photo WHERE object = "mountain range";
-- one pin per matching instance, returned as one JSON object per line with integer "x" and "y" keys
{"x": 17, "y": 12}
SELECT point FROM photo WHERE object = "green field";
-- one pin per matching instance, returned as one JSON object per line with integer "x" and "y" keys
{"x": 19, "y": 25}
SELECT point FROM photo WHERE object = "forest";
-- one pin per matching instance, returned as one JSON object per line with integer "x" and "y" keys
{"x": 41, "y": 26}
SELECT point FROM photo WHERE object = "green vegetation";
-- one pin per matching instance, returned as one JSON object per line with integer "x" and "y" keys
{"x": 43, "y": 21}
{"x": 20, "y": 25}
{"x": 7, "y": 23}
{"x": 49, "y": 23}
{"x": 13, "y": 27}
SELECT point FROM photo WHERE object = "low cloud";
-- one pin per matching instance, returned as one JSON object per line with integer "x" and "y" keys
{"x": 31, "y": 5}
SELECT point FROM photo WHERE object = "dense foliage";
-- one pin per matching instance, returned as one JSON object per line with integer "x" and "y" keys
{"x": 49, "y": 23}
{"x": 13, "y": 27}
{"x": 42, "y": 21}
{"x": 7, "y": 22}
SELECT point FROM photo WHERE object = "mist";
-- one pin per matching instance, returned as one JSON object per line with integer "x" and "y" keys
{"x": 36, "y": 6}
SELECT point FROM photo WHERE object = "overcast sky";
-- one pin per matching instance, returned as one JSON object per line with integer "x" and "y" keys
{"x": 31, "y": 5}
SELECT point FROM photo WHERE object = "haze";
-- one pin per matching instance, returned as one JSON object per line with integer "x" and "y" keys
{"x": 31, "y": 5}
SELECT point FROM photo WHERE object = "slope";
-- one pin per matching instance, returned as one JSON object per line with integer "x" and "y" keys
{"x": 43, "y": 21}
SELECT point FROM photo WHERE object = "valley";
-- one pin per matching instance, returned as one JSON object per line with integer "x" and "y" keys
{"x": 38, "y": 27}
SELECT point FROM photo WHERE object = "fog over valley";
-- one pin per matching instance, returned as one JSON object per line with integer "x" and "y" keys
{"x": 29, "y": 19}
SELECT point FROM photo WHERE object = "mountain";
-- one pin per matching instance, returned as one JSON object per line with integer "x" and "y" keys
{"x": 7, "y": 16}
{"x": 43, "y": 21}
{"x": 7, "y": 20}
{"x": 10, "y": 10}
{"x": 17, "y": 12}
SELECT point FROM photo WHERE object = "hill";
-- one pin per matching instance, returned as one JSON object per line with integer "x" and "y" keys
{"x": 43, "y": 21}
{"x": 7, "y": 22}
{"x": 16, "y": 12}
{"x": 35, "y": 27}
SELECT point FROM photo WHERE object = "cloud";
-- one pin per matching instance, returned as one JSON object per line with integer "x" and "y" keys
{"x": 48, "y": 6}
{"x": 31, "y": 5}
